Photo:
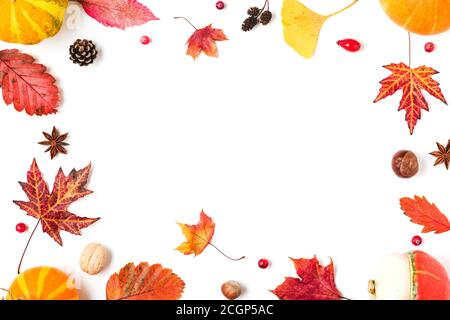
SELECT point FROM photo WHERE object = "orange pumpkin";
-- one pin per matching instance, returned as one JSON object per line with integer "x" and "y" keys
{"x": 412, "y": 276}
{"x": 43, "y": 283}
{"x": 424, "y": 17}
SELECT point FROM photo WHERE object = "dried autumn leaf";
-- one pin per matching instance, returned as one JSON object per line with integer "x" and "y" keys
{"x": 52, "y": 208}
{"x": 198, "y": 236}
{"x": 144, "y": 282}
{"x": 302, "y": 26}
{"x": 424, "y": 213}
{"x": 205, "y": 40}
{"x": 26, "y": 84}
{"x": 411, "y": 82}
{"x": 315, "y": 283}
{"x": 118, "y": 13}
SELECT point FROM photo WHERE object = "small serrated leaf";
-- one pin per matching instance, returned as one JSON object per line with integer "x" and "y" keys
{"x": 426, "y": 214}
{"x": 26, "y": 84}
{"x": 119, "y": 14}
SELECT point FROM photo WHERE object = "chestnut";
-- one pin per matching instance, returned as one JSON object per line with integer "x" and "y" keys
{"x": 405, "y": 164}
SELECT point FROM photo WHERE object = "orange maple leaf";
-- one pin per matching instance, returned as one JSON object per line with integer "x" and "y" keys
{"x": 197, "y": 236}
{"x": 205, "y": 40}
{"x": 144, "y": 282}
{"x": 411, "y": 81}
{"x": 426, "y": 214}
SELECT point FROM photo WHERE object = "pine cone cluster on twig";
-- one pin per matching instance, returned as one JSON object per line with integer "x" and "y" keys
{"x": 257, "y": 15}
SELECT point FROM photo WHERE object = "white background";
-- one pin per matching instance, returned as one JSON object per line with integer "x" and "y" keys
{"x": 289, "y": 156}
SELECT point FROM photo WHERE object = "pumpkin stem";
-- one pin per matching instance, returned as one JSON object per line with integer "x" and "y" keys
{"x": 342, "y": 10}
{"x": 371, "y": 287}
{"x": 26, "y": 247}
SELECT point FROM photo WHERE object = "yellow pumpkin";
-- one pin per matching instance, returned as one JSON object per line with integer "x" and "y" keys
{"x": 30, "y": 21}
{"x": 43, "y": 283}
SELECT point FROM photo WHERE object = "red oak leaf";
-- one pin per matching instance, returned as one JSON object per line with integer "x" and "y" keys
{"x": 52, "y": 209}
{"x": 412, "y": 82}
{"x": 315, "y": 283}
{"x": 205, "y": 40}
{"x": 422, "y": 212}
{"x": 118, "y": 13}
{"x": 26, "y": 85}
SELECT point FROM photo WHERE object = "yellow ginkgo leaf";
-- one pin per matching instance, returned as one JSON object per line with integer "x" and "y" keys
{"x": 301, "y": 26}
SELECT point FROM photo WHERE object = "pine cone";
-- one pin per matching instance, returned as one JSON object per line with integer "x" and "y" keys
{"x": 249, "y": 23}
{"x": 253, "y": 11}
{"x": 83, "y": 52}
{"x": 265, "y": 17}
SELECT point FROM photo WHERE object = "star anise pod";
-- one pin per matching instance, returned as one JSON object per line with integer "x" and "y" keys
{"x": 442, "y": 155}
{"x": 55, "y": 141}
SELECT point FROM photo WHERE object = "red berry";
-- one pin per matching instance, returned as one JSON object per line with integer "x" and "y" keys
{"x": 21, "y": 227}
{"x": 349, "y": 45}
{"x": 220, "y": 5}
{"x": 145, "y": 39}
{"x": 263, "y": 263}
{"x": 429, "y": 47}
{"x": 416, "y": 240}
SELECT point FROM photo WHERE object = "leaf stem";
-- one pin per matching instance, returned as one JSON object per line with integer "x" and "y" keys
{"x": 186, "y": 21}
{"x": 225, "y": 255}
{"x": 343, "y": 9}
{"x": 26, "y": 247}
{"x": 409, "y": 46}
{"x": 8, "y": 292}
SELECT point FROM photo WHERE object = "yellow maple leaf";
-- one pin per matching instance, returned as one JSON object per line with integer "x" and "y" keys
{"x": 197, "y": 236}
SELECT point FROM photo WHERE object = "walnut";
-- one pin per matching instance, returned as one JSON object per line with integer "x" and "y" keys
{"x": 93, "y": 258}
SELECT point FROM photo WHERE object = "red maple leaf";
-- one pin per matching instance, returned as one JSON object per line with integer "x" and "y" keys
{"x": 118, "y": 13}
{"x": 422, "y": 212}
{"x": 52, "y": 208}
{"x": 411, "y": 82}
{"x": 205, "y": 40}
{"x": 26, "y": 84}
{"x": 315, "y": 283}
